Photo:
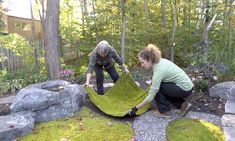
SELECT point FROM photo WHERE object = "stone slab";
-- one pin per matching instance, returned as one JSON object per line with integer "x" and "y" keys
{"x": 230, "y": 107}
{"x": 229, "y": 133}
{"x": 7, "y": 100}
{"x": 228, "y": 120}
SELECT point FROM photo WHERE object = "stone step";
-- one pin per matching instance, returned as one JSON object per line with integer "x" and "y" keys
{"x": 228, "y": 120}
{"x": 229, "y": 133}
{"x": 7, "y": 100}
{"x": 230, "y": 107}
{"x": 15, "y": 125}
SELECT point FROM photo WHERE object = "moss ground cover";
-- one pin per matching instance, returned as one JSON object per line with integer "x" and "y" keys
{"x": 194, "y": 130}
{"x": 85, "y": 126}
{"x": 124, "y": 95}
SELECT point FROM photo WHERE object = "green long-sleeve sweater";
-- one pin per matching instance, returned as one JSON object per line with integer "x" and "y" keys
{"x": 167, "y": 71}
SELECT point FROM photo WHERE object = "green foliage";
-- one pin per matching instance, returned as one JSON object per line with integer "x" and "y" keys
{"x": 85, "y": 126}
{"x": 4, "y": 86}
{"x": 194, "y": 130}
{"x": 103, "y": 21}
{"x": 202, "y": 86}
{"x": 20, "y": 46}
{"x": 27, "y": 75}
{"x": 14, "y": 84}
{"x": 123, "y": 96}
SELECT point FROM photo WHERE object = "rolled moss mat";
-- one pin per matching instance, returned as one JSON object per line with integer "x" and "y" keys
{"x": 123, "y": 96}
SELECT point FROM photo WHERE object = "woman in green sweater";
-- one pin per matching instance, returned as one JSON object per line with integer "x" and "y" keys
{"x": 169, "y": 83}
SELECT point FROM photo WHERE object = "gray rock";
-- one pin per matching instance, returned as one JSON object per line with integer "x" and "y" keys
{"x": 225, "y": 90}
{"x": 228, "y": 120}
{"x": 69, "y": 103}
{"x": 229, "y": 133}
{"x": 33, "y": 99}
{"x": 49, "y": 84}
{"x": 230, "y": 107}
{"x": 57, "y": 99}
{"x": 15, "y": 125}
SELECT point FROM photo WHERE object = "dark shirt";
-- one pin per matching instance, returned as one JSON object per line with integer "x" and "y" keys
{"x": 107, "y": 61}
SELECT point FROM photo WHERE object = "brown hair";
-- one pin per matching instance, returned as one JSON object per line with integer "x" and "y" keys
{"x": 151, "y": 53}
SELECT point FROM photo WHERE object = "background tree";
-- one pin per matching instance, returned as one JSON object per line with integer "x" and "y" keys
{"x": 123, "y": 3}
{"x": 51, "y": 36}
{"x": 2, "y": 24}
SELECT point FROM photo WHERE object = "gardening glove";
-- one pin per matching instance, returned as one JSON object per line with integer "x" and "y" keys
{"x": 133, "y": 111}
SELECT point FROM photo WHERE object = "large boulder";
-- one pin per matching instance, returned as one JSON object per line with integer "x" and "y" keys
{"x": 225, "y": 90}
{"x": 15, "y": 125}
{"x": 49, "y": 100}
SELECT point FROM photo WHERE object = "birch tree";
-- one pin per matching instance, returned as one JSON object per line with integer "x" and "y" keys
{"x": 123, "y": 2}
{"x": 230, "y": 24}
{"x": 174, "y": 7}
{"x": 164, "y": 30}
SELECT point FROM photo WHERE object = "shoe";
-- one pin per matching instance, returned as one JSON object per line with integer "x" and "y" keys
{"x": 162, "y": 115}
{"x": 184, "y": 108}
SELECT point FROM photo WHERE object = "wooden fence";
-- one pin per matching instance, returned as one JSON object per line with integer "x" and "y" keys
{"x": 11, "y": 61}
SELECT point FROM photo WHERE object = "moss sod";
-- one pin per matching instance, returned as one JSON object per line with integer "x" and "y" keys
{"x": 123, "y": 96}
{"x": 194, "y": 130}
{"x": 85, "y": 126}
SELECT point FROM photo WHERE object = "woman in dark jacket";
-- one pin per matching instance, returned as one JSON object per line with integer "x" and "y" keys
{"x": 103, "y": 57}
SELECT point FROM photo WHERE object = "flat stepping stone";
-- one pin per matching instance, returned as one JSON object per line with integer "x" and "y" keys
{"x": 15, "y": 125}
{"x": 147, "y": 127}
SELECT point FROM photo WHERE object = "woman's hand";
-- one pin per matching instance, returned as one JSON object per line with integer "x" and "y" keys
{"x": 125, "y": 69}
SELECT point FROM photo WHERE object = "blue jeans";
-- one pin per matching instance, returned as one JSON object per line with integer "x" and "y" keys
{"x": 170, "y": 92}
{"x": 99, "y": 71}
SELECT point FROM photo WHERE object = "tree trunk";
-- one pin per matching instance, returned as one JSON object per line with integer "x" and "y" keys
{"x": 146, "y": 8}
{"x": 123, "y": 30}
{"x": 185, "y": 13}
{"x": 83, "y": 16}
{"x": 165, "y": 39}
{"x": 225, "y": 12}
{"x": 51, "y": 36}
{"x": 230, "y": 25}
{"x": 94, "y": 15}
{"x": 174, "y": 8}
{"x": 205, "y": 38}
{"x": 33, "y": 36}
{"x": 200, "y": 12}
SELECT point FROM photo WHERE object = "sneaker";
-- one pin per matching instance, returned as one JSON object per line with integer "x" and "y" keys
{"x": 184, "y": 108}
{"x": 162, "y": 115}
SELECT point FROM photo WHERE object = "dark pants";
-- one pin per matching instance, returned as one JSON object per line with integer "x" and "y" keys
{"x": 99, "y": 71}
{"x": 170, "y": 92}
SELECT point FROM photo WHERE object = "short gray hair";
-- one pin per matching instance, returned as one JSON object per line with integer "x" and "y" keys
{"x": 103, "y": 47}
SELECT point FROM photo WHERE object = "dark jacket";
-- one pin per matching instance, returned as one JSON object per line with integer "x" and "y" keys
{"x": 108, "y": 61}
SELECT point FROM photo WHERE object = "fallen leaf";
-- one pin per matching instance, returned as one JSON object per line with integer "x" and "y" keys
{"x": 133, "y": 139}
{"x": 63, "y": 139}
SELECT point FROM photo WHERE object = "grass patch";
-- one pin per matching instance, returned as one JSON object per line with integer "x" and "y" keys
{"x": 194, "y": 130}
{"x": 123, "y": 96}
{"x": 85, "y": 126}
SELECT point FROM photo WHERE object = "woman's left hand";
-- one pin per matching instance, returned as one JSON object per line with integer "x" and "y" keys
{"x": 126, "y": 70}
